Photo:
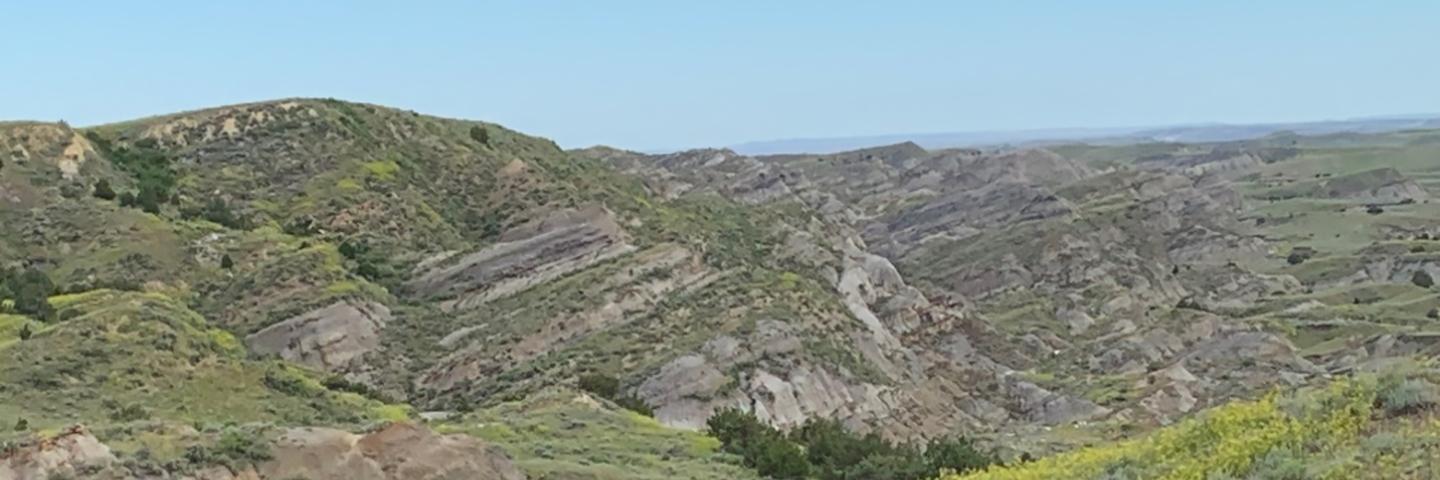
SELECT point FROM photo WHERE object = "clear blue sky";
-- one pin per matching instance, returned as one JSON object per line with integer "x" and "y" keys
{"x": 677, "y": 73}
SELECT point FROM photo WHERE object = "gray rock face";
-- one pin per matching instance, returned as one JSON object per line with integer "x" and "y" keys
{"x": 328, "y": 339}
{"x": 532, "y": 254}
{"x": 1378, "y": 185}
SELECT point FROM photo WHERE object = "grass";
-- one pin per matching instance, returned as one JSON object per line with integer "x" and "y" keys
{"x": 120, "y": 357}
{"x": 566, "y": 434}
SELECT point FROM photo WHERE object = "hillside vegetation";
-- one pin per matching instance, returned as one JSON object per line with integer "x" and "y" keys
{"x": 224, "y": 293}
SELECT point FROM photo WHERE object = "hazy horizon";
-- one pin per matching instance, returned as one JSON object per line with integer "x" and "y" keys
{"x": 660, "y": 76}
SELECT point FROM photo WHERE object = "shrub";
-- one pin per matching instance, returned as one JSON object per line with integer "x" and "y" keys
{"x": 242, "y": 446}
{"x": 21, "y": 425}
{"x": 1281, "y": 464}
{"x": 226, "y": 262}
{"x": 599, "y": 384}
{"x": 216, "y": 210}
{"x": 103, "y": 191}
{"x": 480, "y": 134}
{"x": 370, "y": 263}
{"x": 25, "y": 332}
{"x": 1400, "y": 397}
{"x": 774, "y": 457}
{"x": 1299, "y": 255}
{"x": 30, "y": 292}
{"x": 1422, "y": 279}
{"x": 608, "y": 387}
{"x": 635, "y": 404}
{"x": 129, "y": 413}
{"x": 955, "y": 454}
{"x": 150, "y": 198}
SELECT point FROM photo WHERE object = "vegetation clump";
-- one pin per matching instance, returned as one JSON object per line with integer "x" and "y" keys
{"x": 1422, "y": 279}
{"x": 825, "y": 449}
{"x": 608, "y": 387}
{"x": 27, "y": 292}
{"x": 1310, "y": 434}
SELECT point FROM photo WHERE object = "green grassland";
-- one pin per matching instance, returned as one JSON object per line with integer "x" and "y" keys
{"x": 119, "y": 357}
{"x": 567, "y": 434}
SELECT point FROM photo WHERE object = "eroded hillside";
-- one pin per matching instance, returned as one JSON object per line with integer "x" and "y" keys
{"x": 227, "y": 277}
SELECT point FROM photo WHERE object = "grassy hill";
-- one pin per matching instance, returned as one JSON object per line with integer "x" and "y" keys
{"x": 311, "y": 262}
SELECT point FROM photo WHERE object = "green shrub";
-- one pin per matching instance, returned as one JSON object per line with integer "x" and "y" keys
{"x": 30, "y": 292}
{"x": 150, "y": 198}
{"x": 1299, "y": 255}
{"x": 1422, "y": 279}
{"x": 602, "y": 385}
{"x": 955, "y": 454}
{"x": 1281, "y": 464}
{"x": 608, "y": 387}
{"x": 243, "y": 446}
{"x": 829, "y": 451}
{"x": 1399, "y": 397}
{"x": 480, "y": 134}
{"x": 103, "y": 191}
{"x": 774, "y": 457}
{"x": 218, "y": 211}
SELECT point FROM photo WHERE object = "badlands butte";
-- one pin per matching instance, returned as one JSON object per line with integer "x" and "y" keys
{"x": 323, "y": 289}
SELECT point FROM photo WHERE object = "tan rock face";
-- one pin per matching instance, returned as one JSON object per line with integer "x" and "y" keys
{"x": 69, "y": 452}
{"x": 399, "y": 451}
{"x": 395, "y": 452}
{"x": 329, "y": 338}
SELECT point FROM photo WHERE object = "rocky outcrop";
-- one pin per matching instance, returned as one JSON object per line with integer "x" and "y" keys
{"x": 1383, "y": 185}
{"x": 328, "y": 338}
{"x": 73, "y": 451}
{"x": 534, "y": 253}
{"x": 649, "y": 276}
{"x": 396, "y": 451}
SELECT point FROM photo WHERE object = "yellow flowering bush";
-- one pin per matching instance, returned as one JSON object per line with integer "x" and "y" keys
{"x": 1225, "y": 441}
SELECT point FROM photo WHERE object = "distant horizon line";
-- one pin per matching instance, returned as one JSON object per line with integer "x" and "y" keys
{"x": 1036, "y": 134}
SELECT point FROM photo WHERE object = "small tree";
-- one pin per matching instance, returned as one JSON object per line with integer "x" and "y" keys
{"x": 31, "y": 291}
{"x": 226, "y": 262}
{"x": 480, "y": 134}
{"x": 1422, "y": 279}
{"x": 21, "y": 424}
{"x": 150, "y": 198}
{"x": 25, "y": 332}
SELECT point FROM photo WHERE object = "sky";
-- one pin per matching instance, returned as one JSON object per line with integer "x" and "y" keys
{"x": 652, "y": 75}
